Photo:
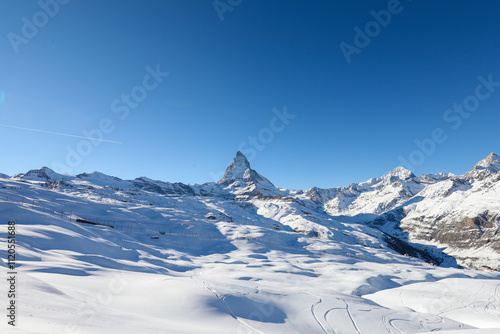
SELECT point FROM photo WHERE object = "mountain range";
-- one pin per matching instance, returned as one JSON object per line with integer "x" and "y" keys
{"x": 398, "y": 253}
{"x": 443, "y": 218}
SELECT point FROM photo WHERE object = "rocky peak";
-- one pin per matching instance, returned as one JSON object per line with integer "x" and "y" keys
{"x": 239, "y": 171}
{"x": 400, "y": 173}
{"x": 491, "y": 163}
{"x": 42, "y": 174}
{"x": 239, "y": 175}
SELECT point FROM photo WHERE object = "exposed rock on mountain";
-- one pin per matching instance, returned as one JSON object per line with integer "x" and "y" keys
{"x": 241, "y": 179}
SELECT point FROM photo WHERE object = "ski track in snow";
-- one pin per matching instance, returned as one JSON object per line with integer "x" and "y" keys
{"x": 388, "y": 323}
{"x": 221, "y": 299}
{"x": 313, "y": 311}
{"x": 351, "y": 317}
{"x": 331, "y": 329}
{"x": 326, "y": 316}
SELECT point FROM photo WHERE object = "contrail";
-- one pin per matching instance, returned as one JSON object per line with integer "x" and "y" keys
{"x": 56, "y": 133}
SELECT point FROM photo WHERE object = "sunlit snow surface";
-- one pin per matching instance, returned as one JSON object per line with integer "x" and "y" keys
{"x": 246, "y": 271}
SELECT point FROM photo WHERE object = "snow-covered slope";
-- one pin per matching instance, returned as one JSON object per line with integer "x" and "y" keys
{"x": 98, "y": 254}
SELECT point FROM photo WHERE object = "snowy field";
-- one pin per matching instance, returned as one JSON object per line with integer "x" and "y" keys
{"x": 167, "y": 268}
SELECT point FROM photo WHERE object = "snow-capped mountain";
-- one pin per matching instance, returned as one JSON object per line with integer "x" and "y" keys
{"x": 241, "y": 179}
{"x": 458, "y": 213}
{"x": 43, "y": 174}
{"x": 491, "y": 163}
{"x": 376, "y": 195}
{"x": 344, "y": 200}
{"x": 242, "y": 256}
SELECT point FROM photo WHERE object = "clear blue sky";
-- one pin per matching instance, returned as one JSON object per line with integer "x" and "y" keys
{"x": 353, "y": 120}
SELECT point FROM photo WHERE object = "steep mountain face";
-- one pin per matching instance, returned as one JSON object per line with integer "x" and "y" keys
{"x": 241, "y": 179}
{"x": 461, "y": 214}
{"x": 490, "y": 163}
{"x": 421, "y": 215}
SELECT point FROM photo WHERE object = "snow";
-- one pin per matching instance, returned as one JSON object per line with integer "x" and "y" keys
{"x": 100, "y": 179}
{"x": 491, "y": 163}
{"x": 42, "y": 174}
{"x": 472, "y": 302}
{"x": 470, "y": 331}
{"x": 427, "y": 210}
{"x": 220, "y": 264}
{"x": 241, "y": 179}
{"x": 399, "y": 173}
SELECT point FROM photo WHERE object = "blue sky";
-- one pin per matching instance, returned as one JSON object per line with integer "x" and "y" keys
{"x": 175, "y": 88}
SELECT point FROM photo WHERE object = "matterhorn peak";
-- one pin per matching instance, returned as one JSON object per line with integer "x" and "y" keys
{"x": 240, "y": 158}
{"x": 240, "y": 175}
{"x": 238, "y": 170}
{"x": 491, "y": 163}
